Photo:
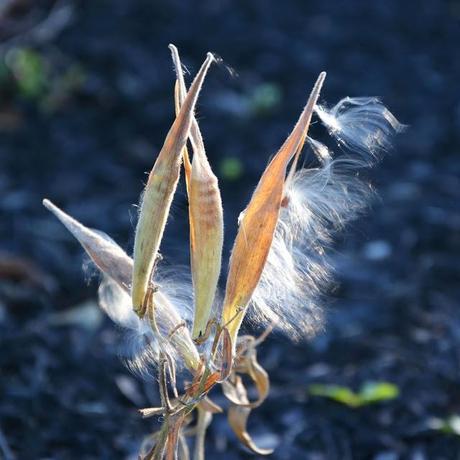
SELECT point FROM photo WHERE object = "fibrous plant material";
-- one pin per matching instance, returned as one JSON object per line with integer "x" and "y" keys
{"x": 278, "y": 267}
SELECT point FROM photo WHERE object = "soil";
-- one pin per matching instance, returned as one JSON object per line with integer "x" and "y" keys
{"x": 83, "y": 112}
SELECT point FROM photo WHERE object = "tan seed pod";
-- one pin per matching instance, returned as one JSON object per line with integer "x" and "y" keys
{"x": 159, "y": 191}
{"x": 206, "y": 220}
{"x": 258, "y": 223}
{"x": 116, "y": 264}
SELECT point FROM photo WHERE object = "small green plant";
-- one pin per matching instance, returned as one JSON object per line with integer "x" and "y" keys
{"x": 369, "y": 393}
{"x": 277, "y": 268}
{"x": 39, "y": 78}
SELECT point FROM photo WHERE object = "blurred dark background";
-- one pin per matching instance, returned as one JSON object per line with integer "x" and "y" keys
{"x": 85, "y": 103}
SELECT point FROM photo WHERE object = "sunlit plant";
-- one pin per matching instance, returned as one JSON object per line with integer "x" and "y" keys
{"x": 277, "y": 272}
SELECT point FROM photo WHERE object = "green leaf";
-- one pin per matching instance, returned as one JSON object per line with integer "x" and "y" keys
{"x": 370, "y": 393}
{"x": 449, "y": 425}
{"x": 30, "y": 71}
{"x": 265, "y": 98}
{"x": 231, "y": 168}
{"x": 338, "y": 393}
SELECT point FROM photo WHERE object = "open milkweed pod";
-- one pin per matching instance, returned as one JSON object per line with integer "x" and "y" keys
{"x": 118, "y": 266}
{"x": 159, "y": 191}
{"x": 206, "y": 219}
{"x": 257, "y": 226}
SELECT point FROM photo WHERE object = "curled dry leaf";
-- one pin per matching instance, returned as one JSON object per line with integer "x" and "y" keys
{"x": 259, "y": 221}
{"x": 206, "y": 219}
{"x": 159, "y": 191}
{"x": 232, "y": 387}
{"x": 238, "y": 418}
{"x": 248, "y": 365}
{"x": 260, "y": 378}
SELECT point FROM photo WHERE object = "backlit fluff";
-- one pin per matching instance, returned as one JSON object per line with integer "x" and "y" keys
{"x": 318, "y": 202}
{"x": 361, "y": 124}
{"x": 141, "y": 347}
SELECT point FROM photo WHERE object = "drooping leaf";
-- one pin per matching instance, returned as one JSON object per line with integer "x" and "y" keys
{"x": 259, "y": 221}
{"x": 159, "y": 191}
{"x": 238, "y": 418}
{"x": 248, "y": 365}
{"x": 260, "y": 378}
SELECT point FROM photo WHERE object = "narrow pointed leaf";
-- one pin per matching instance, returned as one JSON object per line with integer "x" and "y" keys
{"x": 206, "y": 221}
{"x": 159, "y": 191}
{"x": 259, "y": 221}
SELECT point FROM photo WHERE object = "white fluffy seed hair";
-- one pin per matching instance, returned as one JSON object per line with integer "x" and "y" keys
{"x": 362, "y": 124}
{"x": 317, "y": 203}
{"x": 140, "y": 348}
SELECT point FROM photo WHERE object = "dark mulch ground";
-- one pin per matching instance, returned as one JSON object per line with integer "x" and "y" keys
{"x": 83, "y": 113}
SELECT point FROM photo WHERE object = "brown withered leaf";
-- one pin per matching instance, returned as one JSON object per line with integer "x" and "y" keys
{"x": 231, "y": 391}
{"x": 260, "y": 378}
{"x": 206, "y": 220}
{"x": 159, "y": 191}
{"x": 250, "y": 366}
{"x": 238, "y": 418}
{"x": 258, "y": 223}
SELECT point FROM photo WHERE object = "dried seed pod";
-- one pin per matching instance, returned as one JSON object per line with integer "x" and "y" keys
{"x": 206, "y": 220}
{"x": 116, "y": 264}
{"x": 159, "y": 191}
{"x": 258, "y": 223}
